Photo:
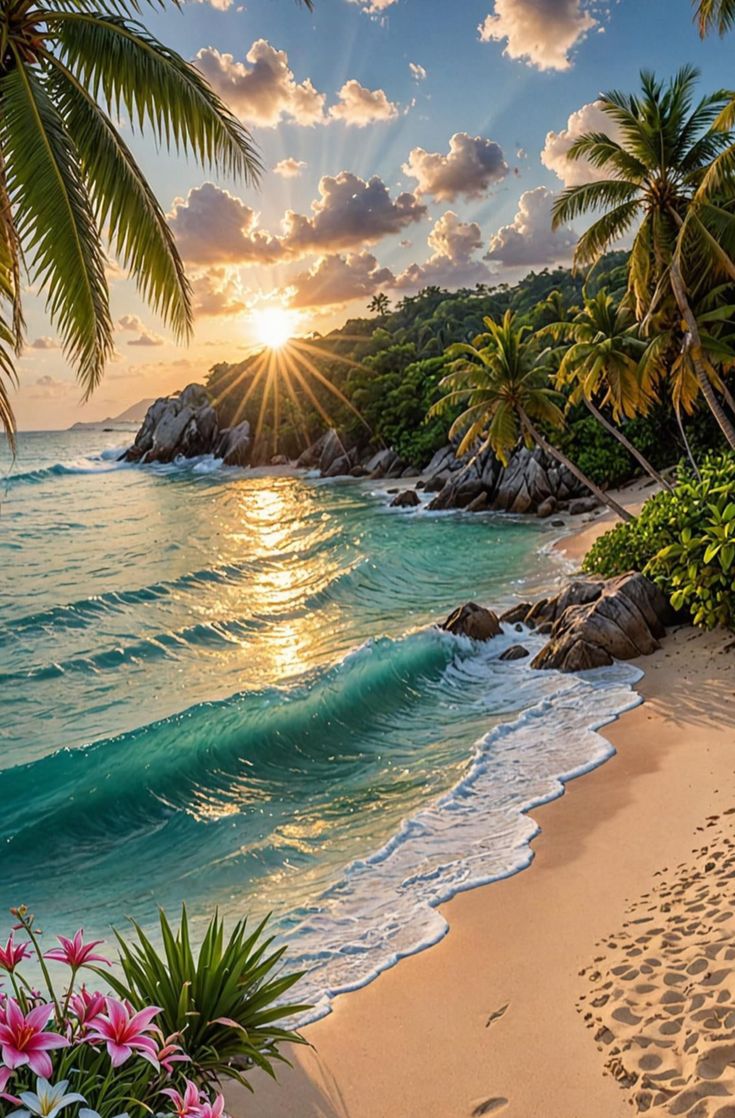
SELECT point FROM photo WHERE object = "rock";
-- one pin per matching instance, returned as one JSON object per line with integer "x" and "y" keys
{"x": 558, "y": 523}
{"x": 407, "y": 500}
{"x": 437, "y": 482}
{"x": 279, "y": 460}
{"x": 480, "y": 504}
{"x": 516, "y": 613}
{"x": 359, "y": 471}
{"x": 332, "y": 451}
{"x": 471, "y": 620}
{"x": 396, "y": 468}
{"x": 339, "y": 467}
{"x": 235, "y": 445}
{"x": 420, "y": 485}
{"x": 579, "y": 592}
{"x": 545, "y": 628}
{"x": 585, "y": 504}
{"x": 381, "y": 462}
{"x": 624, "y": 619}
{"x": 515, "y": 652}
{"x": 440, "y": 461}
{"x": 168, "y": 433}
{"x": 546, "y": 508}
{"x": 409, "y": 471}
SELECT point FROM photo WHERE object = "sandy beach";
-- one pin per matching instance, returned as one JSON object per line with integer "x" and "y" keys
{"x": 601, "y": 979}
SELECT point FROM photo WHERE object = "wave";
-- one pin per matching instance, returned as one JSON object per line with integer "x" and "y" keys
{"x": 385, "y": 906}
{"x": 215, "y": 757}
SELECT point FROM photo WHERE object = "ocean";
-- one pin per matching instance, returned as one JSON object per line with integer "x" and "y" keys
{"x": 225, "y": 687}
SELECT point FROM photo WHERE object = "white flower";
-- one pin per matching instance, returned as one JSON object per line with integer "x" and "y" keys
{"x": 47, "y": 1100}
{"x": 84, "y": 1113}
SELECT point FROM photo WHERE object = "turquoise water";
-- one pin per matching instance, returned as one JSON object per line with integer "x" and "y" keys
{"x": 225, "y": 688}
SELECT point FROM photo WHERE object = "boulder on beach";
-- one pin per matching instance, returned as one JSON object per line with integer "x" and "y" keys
{"x": 599, "y": 622}
{"x": 408, "y": 499}
{"x": 181, "y": 425}
{"x": 515, "y": 652}
{"x": 471, "y": 620}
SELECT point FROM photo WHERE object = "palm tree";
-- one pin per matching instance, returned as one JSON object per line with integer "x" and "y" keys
{"x": 715, "y": 15}
{"x": 70, "y": 187}
{"x": 604, "y": 360}
{"x": 379, "y": 304}
{"x": 503, "y": 379}
{"x": 656, "y": 179}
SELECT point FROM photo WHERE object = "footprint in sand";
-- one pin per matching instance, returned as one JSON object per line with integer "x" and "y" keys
{"x": 489, "y": 1106}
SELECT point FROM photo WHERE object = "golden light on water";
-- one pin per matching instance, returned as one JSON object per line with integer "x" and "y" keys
{"x": 275, "y": 326}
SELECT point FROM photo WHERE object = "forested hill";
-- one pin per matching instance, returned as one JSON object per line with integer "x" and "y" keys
{"x": 376, "y": 377}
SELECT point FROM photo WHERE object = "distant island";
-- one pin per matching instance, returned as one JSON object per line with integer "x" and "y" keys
{"x": 132, "y": 416}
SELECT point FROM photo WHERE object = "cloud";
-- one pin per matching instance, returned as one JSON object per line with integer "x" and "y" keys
{"x": 212, "y": 226}
{"x": 590, "y": 118}
{"x": 217, "y": 292}
{"x": 540, "y": 32}
{"x": 418, "y": 73}
{"x": 452, "y": 263}
{"x": 337, "y": 279}
{"x": 360, "y": 106}
{"x": 469, "y": 169}
{"x": 133, "y": 324}
{"x": 374, "y": 7}
{"x": 45, "y": 342}
{"x": 49, "y": 388}
{"x": 530, "y": 240}
{"x": 262, "y": 90}
{"x": 290, "y": 168}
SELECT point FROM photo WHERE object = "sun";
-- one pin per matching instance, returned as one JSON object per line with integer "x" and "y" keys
{"x": 274, "y": 326}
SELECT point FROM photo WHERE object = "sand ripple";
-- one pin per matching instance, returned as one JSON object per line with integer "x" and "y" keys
{"x": 661, "y": 999}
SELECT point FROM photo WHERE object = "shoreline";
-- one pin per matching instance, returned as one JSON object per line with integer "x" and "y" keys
{"x": 476, "y": 1036}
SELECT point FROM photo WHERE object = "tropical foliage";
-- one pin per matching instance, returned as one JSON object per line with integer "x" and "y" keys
{"x": 685, "y": 541}
{"x": 158, "y": 1040}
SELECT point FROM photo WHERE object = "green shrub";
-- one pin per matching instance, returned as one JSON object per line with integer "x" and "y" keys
{"x": 685, "y": 542}
{"x": 221, "y": 1000}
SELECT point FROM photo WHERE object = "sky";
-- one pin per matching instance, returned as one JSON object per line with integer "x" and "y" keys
{"x": 404, "y": 143}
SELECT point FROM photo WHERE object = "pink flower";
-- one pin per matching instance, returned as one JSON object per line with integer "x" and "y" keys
{"x": 125, "y": 1032}
{"x": 212, "y": 1109}
{"x": 13, "y": 953}
{"x": 76, "y": 953}
{"x": 86, "y": 1007}
{"x": 6, "y": 1075}
{"x": 171, "y": 1053}
{"x": 23, "y": 1040}
{"x": 186, "y": 1105}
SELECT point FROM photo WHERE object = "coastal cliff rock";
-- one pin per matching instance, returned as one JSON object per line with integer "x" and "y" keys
{"x": 473, "y": 621}
{"x": 235, "y": 445}
{"x": 596, "y": 622}
{"x": 176, "y": 425}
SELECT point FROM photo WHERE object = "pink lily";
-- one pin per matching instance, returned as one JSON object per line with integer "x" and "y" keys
{"x": 6, "y": 1074}
{"x": 23, "y": 1040}
{"x": 186, "y": 1105}
{"x": 171, "y": 1053}
{"x": 13, "y": 953}
{"x": 76, "y": 953}
{"x": 210, "y": 1109}
{"x": 86, "y": 1007}
{"x": 125, "y": 1033}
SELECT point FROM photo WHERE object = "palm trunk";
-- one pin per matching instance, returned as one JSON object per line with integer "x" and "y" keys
{"x": 624, "y": 441}
{"x": 690, "y": 456}
{"x": 680, "y": 294}
{"x": 554, "y": 452}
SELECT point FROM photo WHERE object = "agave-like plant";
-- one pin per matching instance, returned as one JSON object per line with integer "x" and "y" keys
{"x": 223, "y": 1002}
{"x": 70, "y": 187}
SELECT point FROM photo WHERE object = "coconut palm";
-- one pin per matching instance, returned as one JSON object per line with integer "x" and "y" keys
{"x": 379, "y": 304}
{"x": 502, "y": 380}
{"x": 70, "y": 187}
{"x": 715, "y": 15}
{"x": 656, "y": 180}
{"x": 603, "y": 361}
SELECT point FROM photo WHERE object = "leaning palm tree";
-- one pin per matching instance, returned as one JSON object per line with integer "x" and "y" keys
{"x": 502, "y": 380}
{"x": 70, "y": 187}
{"x": 603, "y": 361}
{"x": 715, "y": 15}
{"x": 655, "y": 180}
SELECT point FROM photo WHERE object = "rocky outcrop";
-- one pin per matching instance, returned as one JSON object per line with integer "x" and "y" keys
{"x": 531, "y": 482}
{"x": 515, "y": 652}
{"x": 473, "y": 621}
{"x": 235, "y": 445}
{"x": 596, "y": 622}
{"x": 176, "y": 425}
{"x": 408, "y": 499}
